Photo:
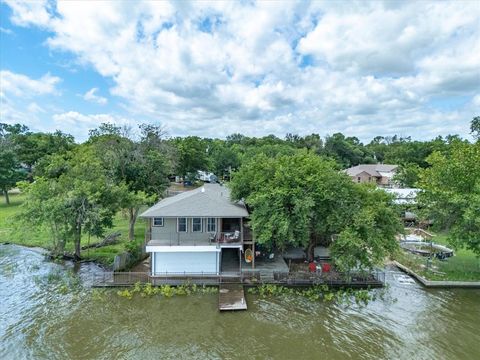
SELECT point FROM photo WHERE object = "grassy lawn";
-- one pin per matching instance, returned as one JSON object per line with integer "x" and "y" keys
{"x": 39, "y": 238}
{"x": 464, "y": 266}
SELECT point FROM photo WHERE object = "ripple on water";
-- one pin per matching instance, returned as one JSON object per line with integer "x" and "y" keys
{"x": 40, "y": 321}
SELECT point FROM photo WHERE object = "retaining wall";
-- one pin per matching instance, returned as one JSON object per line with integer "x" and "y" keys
{"x": 438, "y": 284}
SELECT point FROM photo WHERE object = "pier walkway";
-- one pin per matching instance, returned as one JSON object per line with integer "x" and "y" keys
{"x": 231, "y": 297}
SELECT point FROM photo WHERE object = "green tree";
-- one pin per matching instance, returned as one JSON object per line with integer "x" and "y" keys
{"x": 369, "y": 237}
{"x": 475, "y": 127}
{"x": 404, "y": 151}
{"x": 407, "y": 175}
{"x": 347, "y": 151}
{"x": 451, "y": 194}
{"x": 302, "y": 200}
{"x": 10, "y": 169}
{"x": 192, "y": 155}
{"x": 139, "y": 165}
{"x": 80, "y": 200}
{"x": 31, "y": 147}
{"x": 223, "y": 159}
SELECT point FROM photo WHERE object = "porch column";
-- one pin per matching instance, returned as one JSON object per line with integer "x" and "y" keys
{"x": 253, "y": 257}
{"x": 241, "y": 229}
{"x": 219, "y": 230}
{"x": 152, "y": 263}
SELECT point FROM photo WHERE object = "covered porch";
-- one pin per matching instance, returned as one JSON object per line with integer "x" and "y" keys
{"x": 198, "y": 231}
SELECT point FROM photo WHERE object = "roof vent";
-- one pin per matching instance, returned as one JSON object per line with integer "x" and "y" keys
{"x": 203, "y": 189}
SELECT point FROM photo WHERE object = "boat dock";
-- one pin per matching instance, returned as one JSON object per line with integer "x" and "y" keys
{"x": 257, "y": 277}
{"x": 231, "y": 297}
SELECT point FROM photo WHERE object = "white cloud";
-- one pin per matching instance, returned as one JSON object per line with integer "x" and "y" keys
{"x": 476, "y": 101}
{"x": 213, "y": 68}
{"x": 79, "y": 124}
{"x": 35, "y": 108}
{"x": 91, "y": 96}
{"x": 30, "y": 12}
{"x": 14, "y": 111}
{"x": 22, "y": 85}
{"x": 6, "y": 31}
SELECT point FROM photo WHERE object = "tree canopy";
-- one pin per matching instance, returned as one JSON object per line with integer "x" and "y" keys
{"x": 10, "y": 167}
{"x": 81, "y": 199}
{"x": 142, "y": 166}
{"x": 302, "y": 200}
{"x": 475, "y": 127}
{"x": 293, "y": 185}
{"x": 451, "y": 194}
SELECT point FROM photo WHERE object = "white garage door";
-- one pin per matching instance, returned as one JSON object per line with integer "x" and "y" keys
{"x": 189, "y": 262}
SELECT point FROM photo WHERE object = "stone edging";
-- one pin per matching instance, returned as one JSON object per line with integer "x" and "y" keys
{"x": 438, "y": 284}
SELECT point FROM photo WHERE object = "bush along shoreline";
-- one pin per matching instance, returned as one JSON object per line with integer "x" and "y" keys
{"x": 167, "y": 291}
{"x": 12, "y": 233}
{"x": 318, "y": 293}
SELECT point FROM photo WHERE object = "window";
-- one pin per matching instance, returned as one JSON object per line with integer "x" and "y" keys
{"x": 359, "y": 179}
{"x": 181, "y": 224}
{"x": 196, "y": 224}
{"x": 211, "y": 224}
{"x": 157, "y": 221}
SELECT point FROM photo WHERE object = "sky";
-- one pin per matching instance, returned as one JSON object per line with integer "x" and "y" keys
{"x": 410, "y": 68}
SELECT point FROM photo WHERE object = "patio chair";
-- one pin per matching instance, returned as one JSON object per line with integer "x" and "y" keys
{"x": 232, "y": 237}
{"x": 212, "y": 236}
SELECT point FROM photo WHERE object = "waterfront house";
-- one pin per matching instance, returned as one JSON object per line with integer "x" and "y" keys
{"x": 201, "y": 231}
{"x": 380, "y": 174}
{"x": 404, "y": 196}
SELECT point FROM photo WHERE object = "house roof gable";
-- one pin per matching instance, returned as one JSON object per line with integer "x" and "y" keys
{"x": 371, "y": 169}
{"x": 210, "y": 200}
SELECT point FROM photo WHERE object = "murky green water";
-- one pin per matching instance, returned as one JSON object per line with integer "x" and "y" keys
{"x": 42, "y": 318}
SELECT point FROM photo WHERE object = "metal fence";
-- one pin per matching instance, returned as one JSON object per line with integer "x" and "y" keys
{"x": 196, "y": 239}
{"x": 374, "y": 278}
{"x": 111, "y": 278}
{"x": 247, "y": 277}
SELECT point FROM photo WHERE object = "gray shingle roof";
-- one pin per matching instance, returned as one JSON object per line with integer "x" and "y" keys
{"x": 371, "y": 169}
{"x": 210, "y": 200}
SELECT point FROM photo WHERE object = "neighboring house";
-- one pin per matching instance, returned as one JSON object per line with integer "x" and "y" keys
{"x": 206, "y": 176}
{"x": 407, "y": 196}
{"x": 379, "y": 174}
{"x": 198, "y": 231}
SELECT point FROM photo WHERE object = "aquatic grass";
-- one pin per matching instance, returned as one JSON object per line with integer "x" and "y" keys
{"x": 316, "y": 293}
{"x": 33, "y": 267}
{"x": 9, "y": 269}
{"x": 167, "y": 291}
{"x": 98, "y": 295}
{"x": 126, "y": 293}
{"x": 54, "y": 277}
{"x": 60, "y": 280}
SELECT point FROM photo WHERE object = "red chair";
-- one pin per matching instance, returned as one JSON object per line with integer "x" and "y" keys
{"x": 326, "y": 267}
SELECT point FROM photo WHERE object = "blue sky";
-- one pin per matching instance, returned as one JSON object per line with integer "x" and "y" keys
{"x": 215, "y": 68}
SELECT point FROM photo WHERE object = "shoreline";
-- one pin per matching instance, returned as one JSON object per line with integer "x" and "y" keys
{"x": 436, "y": 283}
{"x": 47, "y": 253}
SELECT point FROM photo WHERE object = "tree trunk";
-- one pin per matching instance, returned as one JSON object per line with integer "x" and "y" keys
{"x": 78, "y": 238}
{"x": 132, "y": 213}
{"x": 7, "y": 199}
{"x": 310, "y": 250}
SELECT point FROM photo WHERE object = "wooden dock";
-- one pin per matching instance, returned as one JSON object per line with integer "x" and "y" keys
{"x": 245, "y": 277}
{"x": 231, "y": 297}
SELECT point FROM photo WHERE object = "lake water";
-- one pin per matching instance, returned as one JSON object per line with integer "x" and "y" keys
{"x": 48, "y": 312}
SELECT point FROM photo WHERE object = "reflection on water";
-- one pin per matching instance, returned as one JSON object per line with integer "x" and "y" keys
{"x": 48, "y": 312}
